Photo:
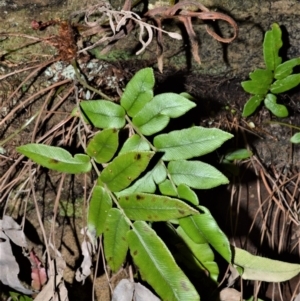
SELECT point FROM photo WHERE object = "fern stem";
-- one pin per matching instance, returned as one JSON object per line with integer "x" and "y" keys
{"x": 85, "y": 84}
{"x": 284, "y": 124}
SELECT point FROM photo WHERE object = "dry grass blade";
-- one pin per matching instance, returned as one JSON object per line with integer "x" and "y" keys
{"x": 25, "y": 102}
{"x": 37, "y": 67}
{"x": 263, "y": 216}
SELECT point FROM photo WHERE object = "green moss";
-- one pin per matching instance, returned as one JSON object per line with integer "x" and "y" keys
{"x": 113, "y": 55}
{"x": 69, "y": 209}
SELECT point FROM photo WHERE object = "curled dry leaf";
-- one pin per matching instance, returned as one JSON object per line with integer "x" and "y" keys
{"x": 141, "y": 293}
{"x": 121, "y": 23}
{"x": 55, "y": 285}
{"x": 14, "y": 231}
{"x": 8, "y": 266}
{"x": 123, "y": 291}
{"x": 85, "y": 268}
{"x": 184, "y": 12}
{"x": 230, "y": 294}
{"x": 127, "y": 291}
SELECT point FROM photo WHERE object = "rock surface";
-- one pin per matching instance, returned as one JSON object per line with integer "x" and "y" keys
{"x": 238, "y": 58}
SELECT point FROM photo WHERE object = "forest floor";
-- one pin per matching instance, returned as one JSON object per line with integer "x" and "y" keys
{"x": 259, "y": 210}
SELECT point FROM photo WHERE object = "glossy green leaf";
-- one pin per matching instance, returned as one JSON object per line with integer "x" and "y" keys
{"x": 125, "y": 168}
{"x": 164, "y": 105}
{"x": 115, "y": 242}
{"x": 264, "y": 269}
{"x": 272, "y": 44}
{"x": 56, "y": 158}
{"x": 103, "y": 145}
{"x": 262, "y": 76}
{"x": 259, "y": 83}
{"x": 104, "y": 114}
{"x": 186, "y": 193}
{"x": 253, "y": 87}
{"x": 238, "y": 154}
{"x": 100, "y": 203}
{"x": 182, "y": 253}
{"x": 277, "y": 109}
{"x": 155, "y": 125}
{"x": 167, "y": 188}
{"x": 151, "y": 207}
{"x": 190, "y": 227}
{"x": 285, "y": 69}
{"x": 252, "y": 104}
{"x": 157, "y": 266}
{"x": 283, "y": 85}
{"x": 189, "y": 143}
{"x": 196, "y": 174}
{"x": 159, "y": 173}
{"x": 138, "y": 91}
{"x": 134, "y": 143}
{"x": 146, "y": 183}
{"x": 295, "y": 138}
{"x": 202, "y": 253}
{"x": 203, "y": 228}
{"x": 187, "y": 95}
{"x": 100, "y": 183}
{"x": 169, "y": 104}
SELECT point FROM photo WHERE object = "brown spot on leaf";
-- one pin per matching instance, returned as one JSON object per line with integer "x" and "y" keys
{"x": 137, "y": 157}
{"x": 184, "y": 286}
{"x": 53, "y": 161}
{"x": 135, "y": 253}
{"x": 181, "y": 212}
{"x": 139, "y": 197}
